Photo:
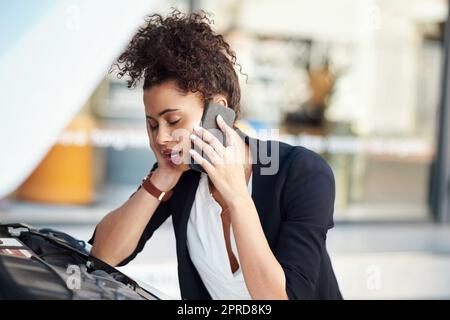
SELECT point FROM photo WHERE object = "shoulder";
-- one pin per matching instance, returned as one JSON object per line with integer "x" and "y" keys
{"x": 290, "y": 162}
{"x": 297, "y": 161}
{"x": 304, "y": 162}
{"x": 309, "y": 187}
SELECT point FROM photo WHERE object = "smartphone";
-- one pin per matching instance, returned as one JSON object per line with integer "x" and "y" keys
{"x": 209, "y": 123}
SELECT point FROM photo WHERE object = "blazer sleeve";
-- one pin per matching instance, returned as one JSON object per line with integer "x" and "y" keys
{"x": 307, "y": 208}
{"x": 160, "y": 215}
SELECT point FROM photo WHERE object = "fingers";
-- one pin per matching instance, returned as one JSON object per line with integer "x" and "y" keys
{"x": 227, "y": 130}
{"x": 210, "y": 145}
{"x": 207, "y": 149}
{"x": 210, "y": 139}
{"x": 209, "y": 168}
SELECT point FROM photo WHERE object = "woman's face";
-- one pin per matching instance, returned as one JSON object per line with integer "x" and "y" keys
{"x": 171, "y": 116}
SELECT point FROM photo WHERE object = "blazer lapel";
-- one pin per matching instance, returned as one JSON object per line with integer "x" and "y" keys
{"x": 262, "y": 184}
{"x": 182, "y": 200}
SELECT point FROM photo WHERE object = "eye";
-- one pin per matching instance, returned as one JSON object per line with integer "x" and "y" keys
{"x": 154, "y": 127}
{"x": 174, "y": 122}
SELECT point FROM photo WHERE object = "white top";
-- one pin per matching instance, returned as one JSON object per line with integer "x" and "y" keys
{"x": 207, "y": 248}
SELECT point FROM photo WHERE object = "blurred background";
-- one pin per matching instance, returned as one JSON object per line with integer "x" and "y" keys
{"x": 362, "y": 82}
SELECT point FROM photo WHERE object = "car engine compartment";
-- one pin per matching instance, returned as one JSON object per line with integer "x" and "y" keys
{"x": 49, "y": 264}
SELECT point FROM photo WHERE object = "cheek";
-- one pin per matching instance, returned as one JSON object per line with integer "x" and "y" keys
{"x": 187, "y": 127}
{"x": 150, "y": 133}
{"x": 181, "y": 137}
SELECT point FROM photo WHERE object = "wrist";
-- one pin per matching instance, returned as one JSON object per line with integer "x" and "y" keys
{"x": 151, "y": 188}
{"x": 239, "y": 201}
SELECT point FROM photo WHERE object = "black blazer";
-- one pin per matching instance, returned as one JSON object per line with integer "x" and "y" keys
{"x": 295, "y": 206}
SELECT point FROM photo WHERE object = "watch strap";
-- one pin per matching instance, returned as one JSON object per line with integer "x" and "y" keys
{"x": 154, "y": 191}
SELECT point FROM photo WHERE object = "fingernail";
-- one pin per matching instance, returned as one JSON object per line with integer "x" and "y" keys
{"x": 191, "y": 151}
{"x": 193, "y": 137}
{"x": 219, "y": 117}
{"x": 197, "y": 128}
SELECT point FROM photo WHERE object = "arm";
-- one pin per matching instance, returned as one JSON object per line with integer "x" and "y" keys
{"x": 262, "y": 272}
{"x": 308, "y": 204}
{"x": 291, "y": 271}
{"x": 118, "y": 236}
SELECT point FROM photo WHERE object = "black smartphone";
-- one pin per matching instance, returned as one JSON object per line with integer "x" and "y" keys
{"x": 209, "y": 122}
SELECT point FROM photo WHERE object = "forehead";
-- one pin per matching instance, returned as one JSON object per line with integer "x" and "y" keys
{"x": 168, "y": 95}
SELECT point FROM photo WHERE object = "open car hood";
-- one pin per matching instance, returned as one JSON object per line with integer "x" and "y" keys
{"x": 48, "y": 264}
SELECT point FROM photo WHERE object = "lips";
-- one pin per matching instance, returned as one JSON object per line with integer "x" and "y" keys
{"x": 174, "y": 156}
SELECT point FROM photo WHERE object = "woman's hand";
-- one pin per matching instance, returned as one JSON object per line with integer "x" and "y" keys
{"x": 226, "y": 168}
{"x": 166, "y": 175}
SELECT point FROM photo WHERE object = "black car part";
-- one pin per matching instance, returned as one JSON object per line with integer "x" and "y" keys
{"x": 49, "y": 264}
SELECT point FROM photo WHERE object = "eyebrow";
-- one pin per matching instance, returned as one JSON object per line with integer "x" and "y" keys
{"x": 161, "y": 113}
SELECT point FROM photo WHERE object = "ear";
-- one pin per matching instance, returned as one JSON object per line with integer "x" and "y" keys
{"x": 219, "y": 99}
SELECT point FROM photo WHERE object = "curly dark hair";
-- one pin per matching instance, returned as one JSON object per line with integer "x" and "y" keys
{"x": 183, "y": 48}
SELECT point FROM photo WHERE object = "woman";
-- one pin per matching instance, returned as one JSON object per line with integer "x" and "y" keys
{"x": 243, "y": 229}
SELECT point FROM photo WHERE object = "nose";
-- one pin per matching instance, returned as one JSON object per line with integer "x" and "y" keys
{"x": 163, "y": 137}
